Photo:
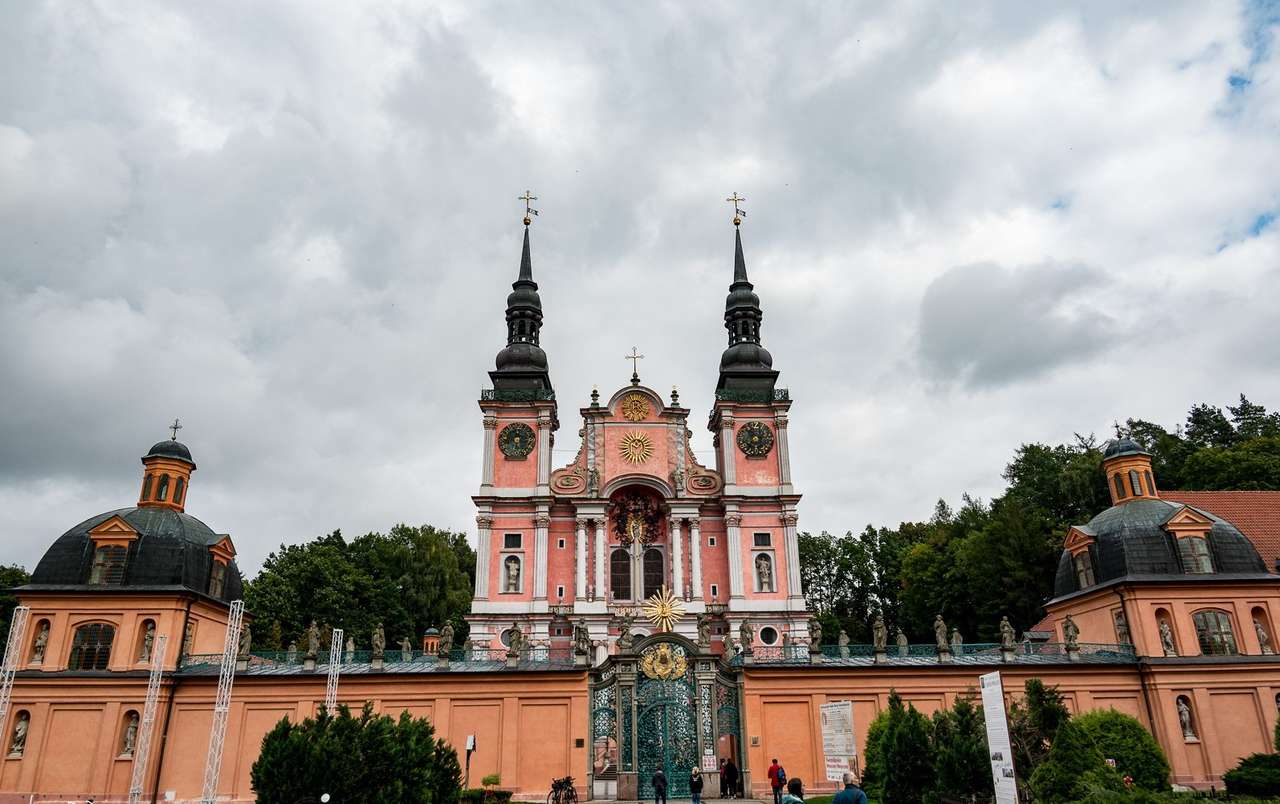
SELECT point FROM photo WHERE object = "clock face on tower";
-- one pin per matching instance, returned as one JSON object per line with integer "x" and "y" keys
{"x": 516, "y": 440}
{"x": 755, "y": 439}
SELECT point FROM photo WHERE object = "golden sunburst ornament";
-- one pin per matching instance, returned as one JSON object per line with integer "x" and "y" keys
{"x": 663, "y": 609}
{"x": 636, "y": 448}
{"x": 634, "y": 407}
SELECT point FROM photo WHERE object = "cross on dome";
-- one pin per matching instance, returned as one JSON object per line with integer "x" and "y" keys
{"x": 174, "y": 428}
{"x": 634, "y": 357}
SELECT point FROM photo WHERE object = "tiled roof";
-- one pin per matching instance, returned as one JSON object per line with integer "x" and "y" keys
{"x": 1255, "y": 513}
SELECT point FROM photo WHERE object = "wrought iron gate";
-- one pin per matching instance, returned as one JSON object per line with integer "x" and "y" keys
{"x": 668, "y": 734}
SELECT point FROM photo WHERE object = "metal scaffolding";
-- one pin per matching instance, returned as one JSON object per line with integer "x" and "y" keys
{"x": 335, "y": 667}
{"x": 142, "y": 752}
{"x": 12, "y": 657}
{"x": 222, "y": 704}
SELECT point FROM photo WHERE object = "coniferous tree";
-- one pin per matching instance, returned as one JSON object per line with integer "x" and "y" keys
{"x": 1073, "y": 769}
{"x": 961, "y": 759}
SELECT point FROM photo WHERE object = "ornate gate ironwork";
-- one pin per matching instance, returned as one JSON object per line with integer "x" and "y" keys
{"x": 668, "y": 733}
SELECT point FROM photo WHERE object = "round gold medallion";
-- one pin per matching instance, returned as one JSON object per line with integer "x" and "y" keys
{"x": 634, "y": 407}
{"x": 635, "y": 448}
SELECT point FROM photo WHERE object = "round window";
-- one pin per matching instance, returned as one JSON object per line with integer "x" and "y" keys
{"x": 505, "y": 638}
{"x": 768, "y": 635}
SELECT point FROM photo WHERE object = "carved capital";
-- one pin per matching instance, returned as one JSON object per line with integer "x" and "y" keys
{"x": 790, "y": 519}
{"x": 726, "y": 422}
{"x": 694, "y": 523}
{"x": 581, "y": 522}
{"x": 780, "y": 420}
{"x": 544, "y": 420}
{"x": 732, "y": 520}
{"x": 541, "y": 520}
{"x": 490, "y": 421}
{"x": 484, "y": 522}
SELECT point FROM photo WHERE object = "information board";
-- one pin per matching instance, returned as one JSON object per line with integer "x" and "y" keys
{"x": 998, "y": 745}
{"x": 838, "y": 744}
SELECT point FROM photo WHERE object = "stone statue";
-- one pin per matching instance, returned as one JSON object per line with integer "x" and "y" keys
{"x": 379, "y": 642}
{"x": 815, "y": 631}
{"x": 957, "y": 641}
{"x": 130, "y": 736}
{"x": 747, "y": 635}
{"x": 446, "y": 640}
{"x": 246, "y": 641}
{"x": 1264, "y": 639}
{"x": 511, "y": 569}
{"x": 704, "y": 631}
{"x": 593, "y": 481}
{"x": 764, "y": 571}
{"x": 843, "y": 641}
{"x": 1184, "y": 718}
{"x": 292, "y": 654}
{"x": 678, "y": 477}
{"x": 901, "y": 639}
{"x": 581, "y": 638}
{"x": 148, "y": 642}
{"x": 313, "y": 641}
{"x": 879, "y": 635}
{"x": 42, "y": 641}
{"x": 18, "y": 744}
{"x": 625, "y": 640}
{"x": 1166, "y": 639}
{"x": 406, "y": 650}
{"x": 1008, "y": 637}
{"x": 351, "y": 649}
{"x": 515, "y": 643}
{"x": 1071, "y": 633}
{"x": 786, "y": 639}
{"x": 940, "y": 634}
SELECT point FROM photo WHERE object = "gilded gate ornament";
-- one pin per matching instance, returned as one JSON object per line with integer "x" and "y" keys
{"x": 634, "y": 407}
{"x": 663, "y": 662}
{"x": 516, "y": 440}
{"x": 755, "y": 439}
{"x": 635, "y": 447}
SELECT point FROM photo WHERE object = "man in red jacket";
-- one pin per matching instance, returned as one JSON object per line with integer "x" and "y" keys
{"x": 777, "y": 780}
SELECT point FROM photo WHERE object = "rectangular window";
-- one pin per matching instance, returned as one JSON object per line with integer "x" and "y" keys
{"x": 1118, "y": 480}
{"x": 1194, "y": 552}
{"x": 217, "y": 579}
{"x": 711, "y": 541}
{"x": 560, "y": 592}
{"x": 108, "y": 565}
{"x": 715, "y": 591}
{"x": 511, "y": 541}
{"x": 1135, "y": 482}
{"x": 763, "y": 539}
{"x": 1084, "y": 570}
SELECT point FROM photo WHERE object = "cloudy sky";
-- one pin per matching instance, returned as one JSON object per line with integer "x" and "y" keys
{"x": 295, "y": 227}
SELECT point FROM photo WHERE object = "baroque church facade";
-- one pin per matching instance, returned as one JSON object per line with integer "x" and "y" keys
{"x": 1164, "y": 608}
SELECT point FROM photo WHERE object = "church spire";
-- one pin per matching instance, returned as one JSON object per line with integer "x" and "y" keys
{"x": 745, "y": 365}
{"x": 522, "y": 365}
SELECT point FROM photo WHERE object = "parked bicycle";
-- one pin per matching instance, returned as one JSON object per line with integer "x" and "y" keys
{"x": 562, "y": 791}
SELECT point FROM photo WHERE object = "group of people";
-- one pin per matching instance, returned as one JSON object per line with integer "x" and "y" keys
{"x": 731, "y": 787}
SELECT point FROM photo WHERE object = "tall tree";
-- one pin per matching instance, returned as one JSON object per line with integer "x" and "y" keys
{"x": 11, "y": 575}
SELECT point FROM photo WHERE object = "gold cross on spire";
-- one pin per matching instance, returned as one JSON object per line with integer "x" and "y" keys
{"x": 738, "y": 212}
{"x": 174, "y": 428}
{"x": 528, "y": 210}
{"x": 634, "y": 357}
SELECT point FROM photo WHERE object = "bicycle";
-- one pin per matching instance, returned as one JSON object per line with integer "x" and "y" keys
{"x": 562, "y": 791}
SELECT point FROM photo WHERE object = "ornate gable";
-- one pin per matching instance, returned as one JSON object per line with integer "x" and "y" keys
{"x": 113, "y": 531}
{"x": 1077, "y": 541}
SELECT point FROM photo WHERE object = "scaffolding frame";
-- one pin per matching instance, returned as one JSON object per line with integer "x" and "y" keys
{"x": 335, "y": 668}
{"x": 12, "y": 658}
{"x": 222, "y": 704}
{"x": 142, "y": 752}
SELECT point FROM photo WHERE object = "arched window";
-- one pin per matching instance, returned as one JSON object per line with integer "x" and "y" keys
{"x": 1118, "y": 480}
{"x": 1136, "y": 482}
{"x": 1083, "y": 563}
{"x": 162, "y": 490}
{"x": 91, "y": 647}
{"x": 1213, "y": 630}
{"x": 620, "y": 575}
{"x": 1194, "y": 552}
{"x": 108, "y": 565}
{"x": 217, "y": 579}
{"x": 1151, "y": 486}
{"x": 146, "y": 487}
{"x": 653, "y": 567}
{"x": 178, "y": 488}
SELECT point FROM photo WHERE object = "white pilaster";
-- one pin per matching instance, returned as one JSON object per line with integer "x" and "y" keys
{"x": 784, "y": 452}
{"x": 602, "y": 591}
{"x": 792, "y": 544}
{"x": 580, "y": 554}
{"x": 544, "y": 452}
{"x": 540, "y": 524}
{"x": 734, "y": 546}
{"x": 484, "y": 525}
{"x": 727, "y": 450}
{"x": 695, "y": 558}
{"x": 677, "y": 560}
{"x": 490, "y": 432}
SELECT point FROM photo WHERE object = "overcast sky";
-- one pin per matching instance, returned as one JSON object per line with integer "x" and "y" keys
{"x": 295, "y": 226}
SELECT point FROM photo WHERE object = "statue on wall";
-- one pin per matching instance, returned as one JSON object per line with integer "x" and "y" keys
{"x": 764, "y": 571}
{"x": 18, "y": 743}
{"x": 446, "y": 640}
{"x": 148, "y": 642}
{"x": 130, "y": 736}
{"x": 879, "y": 635}
{"x": 746, "y": 635}
{"x": 515, "y": 640}
{"x": 511, "y": 569}
{"x": 940, "y": 634}
{"x": 593, "y": 482}
{"x": 246, "y": 641}
{"x": 351, "y": 649}
{"x": 1166, "y": 639}
{"x": 1008, "y": 637}
{"x": 41, "y": 642}
{"x": 1185, "y": 720}
{"x": 1264, "y": 639}
{"x": 903, "y": 646}
{"x": 1071, "y": 633}
{"x": 379, "y": 642}
{"x": 815, "y": 631}
{"x": 704, "y": 631}
{"x": 957, "y": 641}
{"x": 625, "y": 640}
{"x": 582, "y": 638}
{"x": 843, "y": 641}
{"x": 313, "y": 641}
{"x": 291, "y": 655}
{"x": 406, "y": 650}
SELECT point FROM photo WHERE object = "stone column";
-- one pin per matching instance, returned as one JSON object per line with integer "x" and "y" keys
{"x": 544, "y": 450}
{"x": 677, "y": 559}
{"x": 490, "y": 434}
{"x": 484, "y": 524}
{"x": 580, "y": 554}
{"x": 792, "y": 544}
{"x": 734, "y": 546}
{"x": 695, "y": 558}
{"x": 727, "y": 449}
{"x": 540, "y": 524}
{"x": 784, "y": 453}
{"x": 602, "y": 592}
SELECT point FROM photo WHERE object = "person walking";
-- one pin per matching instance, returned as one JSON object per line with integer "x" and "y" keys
{"x": 730, "y": 775}
{"x": 851, "y": 794}
{"x": 795, "y": 792}
{"x": 659, "y": 787}
{"x": 777, "y": 780}
{"x": 695, "y": 786}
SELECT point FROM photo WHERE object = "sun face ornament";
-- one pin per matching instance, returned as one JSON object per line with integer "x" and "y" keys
{"x": 663, "y": 609}
{"x": 635, "y": 447}
{"x": 634, "y": 407}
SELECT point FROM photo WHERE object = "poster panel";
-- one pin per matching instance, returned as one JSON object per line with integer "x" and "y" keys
{"x": 838, "y": 745}
{"x": 998, "y": 744}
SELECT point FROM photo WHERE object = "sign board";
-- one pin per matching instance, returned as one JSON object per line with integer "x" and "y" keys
{"x": 998, "y": 744}
{"x": 471, "y": 742}
{"x": 838, "y": 744}
{"x": 709, "y": 763}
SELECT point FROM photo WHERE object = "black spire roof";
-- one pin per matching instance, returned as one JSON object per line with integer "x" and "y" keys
{"x": 745, "y": 365}
{"x": 170, "y": 448}
{"x": 522, "y": 365}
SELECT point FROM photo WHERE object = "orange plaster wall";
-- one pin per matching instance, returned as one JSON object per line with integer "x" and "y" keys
{"x": 512, "y": 473}
{"x": 657, "y": 465}
{"x": 755, "y": 471}
{"x": 715, "y": 560}
{"x": 561, "y": 566}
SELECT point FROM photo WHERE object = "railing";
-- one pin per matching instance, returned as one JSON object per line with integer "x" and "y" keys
{"x": 972, "y": 653}
{"x": 516, "y": 395}
{"x": 268, "y": 660}
{"x": 743, "y": 395}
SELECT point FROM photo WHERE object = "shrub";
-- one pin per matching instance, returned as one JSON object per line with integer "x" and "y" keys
{"x": 480, "y": 795}
{"x": 899, "y": 758}
{"x": 961, "y": 759}
{"x": 1033, "y": 722}
{"x": 1073, "y": 769}
{"x": 1256, "y": 775}
{"x": 875, "y": 768}
{"x": 491, "y": 780}
{"x": 365, "y": 758}
{"x": 1136, "y": 753}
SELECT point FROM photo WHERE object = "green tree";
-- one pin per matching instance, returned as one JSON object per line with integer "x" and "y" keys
{"x": 364, "y": 758}
{"x": 875, "y": 763}
{"x": 1208, "y": 427}
{"x": 1249, "y": 465}
{"x": 11, "y": 575}
{"x": 1033, "y": 722}
{"x": 1073, "y": 769}
{"x": 1256, "y": 775}
{"x": 899, "y": 762}
{"x": 1252, "y": 421}
{"x": 961, "y": 758}
{"x": 1123, "y": 739}
{"x": 1063, "y": 481}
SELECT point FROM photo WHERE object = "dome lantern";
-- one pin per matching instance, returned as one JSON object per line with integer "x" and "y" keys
{"x": 166, "y": 473}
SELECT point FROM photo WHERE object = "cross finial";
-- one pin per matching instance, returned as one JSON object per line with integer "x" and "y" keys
{"x": 174, "y": 428}
{"x": 528, "y": 210}
{"x": 738, "y": 212}
{"x": 634, "y": 357}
